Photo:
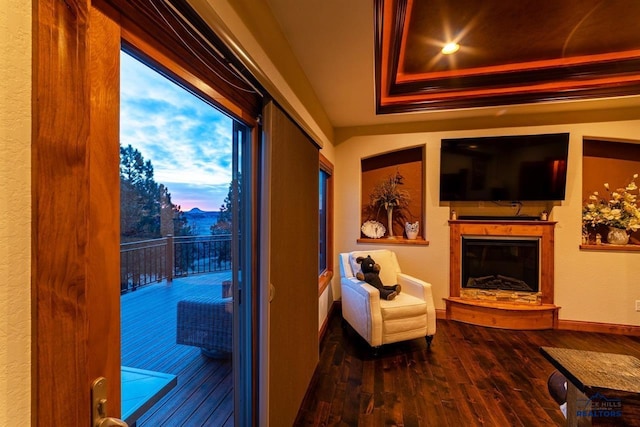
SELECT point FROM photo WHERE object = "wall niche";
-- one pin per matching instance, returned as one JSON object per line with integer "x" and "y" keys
{"x": 410, "y": 166}
{"x": 613, "y": 162}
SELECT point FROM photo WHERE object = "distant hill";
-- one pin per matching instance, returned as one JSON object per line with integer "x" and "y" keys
{"x": 201, "y": 221}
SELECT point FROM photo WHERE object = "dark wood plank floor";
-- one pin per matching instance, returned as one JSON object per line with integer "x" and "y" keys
{"x": 204, "y": 394}
{"x": 471, "y": 376}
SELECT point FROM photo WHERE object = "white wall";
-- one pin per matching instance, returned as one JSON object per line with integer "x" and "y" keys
{"x": 15, "y": 213}
{"x": 589, "y": 285}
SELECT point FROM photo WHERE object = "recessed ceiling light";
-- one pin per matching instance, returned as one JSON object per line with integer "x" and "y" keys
{"x": 450, "y": 48}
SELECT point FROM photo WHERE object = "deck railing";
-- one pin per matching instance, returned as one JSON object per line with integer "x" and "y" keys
{"x": 151, "y": 261}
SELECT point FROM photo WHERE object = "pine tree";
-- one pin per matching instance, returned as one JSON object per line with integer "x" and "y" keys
{"x": 146, "y": 209}
{"x": 223, "y": 223}
{"x": 223, "y": 226}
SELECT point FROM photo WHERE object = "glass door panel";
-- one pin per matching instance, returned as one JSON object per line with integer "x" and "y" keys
{"x": 185, "y": 255}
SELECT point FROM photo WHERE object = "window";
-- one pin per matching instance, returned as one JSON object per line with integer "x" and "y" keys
{"x": 324, "y": 178}
{"x": 325, "y": 253}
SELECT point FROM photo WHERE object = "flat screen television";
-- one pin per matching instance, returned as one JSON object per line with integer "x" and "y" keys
{"x": 504, "y": 168}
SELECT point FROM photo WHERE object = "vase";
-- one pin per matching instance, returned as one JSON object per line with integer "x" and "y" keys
{"x": 412, "y": 228}
{"x": 617, "y": 236}
{"x": 390, "y": 221}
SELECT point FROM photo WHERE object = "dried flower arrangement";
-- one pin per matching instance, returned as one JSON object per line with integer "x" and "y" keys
{"x": 388, "y": 195}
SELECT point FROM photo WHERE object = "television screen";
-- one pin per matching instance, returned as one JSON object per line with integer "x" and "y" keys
{"x": 504, "y": 168}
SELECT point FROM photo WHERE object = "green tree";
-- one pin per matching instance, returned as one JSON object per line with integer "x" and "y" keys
{"x": 223, "y": 226}
{"x": 146, "y": 209}
{"x": 223, "y": 223}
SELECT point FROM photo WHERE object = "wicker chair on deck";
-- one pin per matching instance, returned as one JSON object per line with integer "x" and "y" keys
{"x": 206, "y": 322}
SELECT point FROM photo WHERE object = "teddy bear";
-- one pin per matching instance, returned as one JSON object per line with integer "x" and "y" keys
{"x": 370, "y": 273}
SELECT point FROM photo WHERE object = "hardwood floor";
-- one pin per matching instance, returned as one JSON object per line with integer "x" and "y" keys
{"x": 471, "y": 376}
{"x": 204, "y": 393}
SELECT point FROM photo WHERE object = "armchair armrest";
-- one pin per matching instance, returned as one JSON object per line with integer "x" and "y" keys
{"x": 361, "y": 288}
{"x": 415, "y": 287}
{"x": 422, "y": 290}
{"x": 361, "y": 308}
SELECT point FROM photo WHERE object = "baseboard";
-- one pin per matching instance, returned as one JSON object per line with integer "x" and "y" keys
{"x": 569, "y": 325}
{"x": 605, "y": 328}
{"x": 336, "y": 306}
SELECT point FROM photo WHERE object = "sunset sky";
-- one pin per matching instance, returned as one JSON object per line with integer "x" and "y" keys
{"x": 187, "y": 140}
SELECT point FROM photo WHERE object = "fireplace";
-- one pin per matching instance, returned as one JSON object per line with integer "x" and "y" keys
{"x": 505, "y": 263}
{"x": 501, "y": 273}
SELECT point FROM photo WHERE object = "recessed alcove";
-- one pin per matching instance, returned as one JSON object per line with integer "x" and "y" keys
{"x": 614, "y": 162}
{"x": 409, "y": 164}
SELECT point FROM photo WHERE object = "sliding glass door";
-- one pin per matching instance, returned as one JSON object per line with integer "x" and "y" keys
{"x": 186, "y": 253}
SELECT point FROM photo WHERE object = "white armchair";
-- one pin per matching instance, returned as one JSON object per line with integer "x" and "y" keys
{"x": 409, "y": 315}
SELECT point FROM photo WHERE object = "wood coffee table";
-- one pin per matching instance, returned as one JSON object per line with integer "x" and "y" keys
{"x": 602, "y": 388}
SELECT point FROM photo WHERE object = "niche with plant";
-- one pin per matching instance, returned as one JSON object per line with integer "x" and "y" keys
{"x": 609, "y": 190}
{"x": 392, "y": 193}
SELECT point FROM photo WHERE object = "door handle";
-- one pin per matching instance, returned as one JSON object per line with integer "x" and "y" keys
{"x": 99, "y": 406}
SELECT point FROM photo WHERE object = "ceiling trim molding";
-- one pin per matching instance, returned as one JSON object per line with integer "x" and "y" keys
{"x": 550, "y": 118}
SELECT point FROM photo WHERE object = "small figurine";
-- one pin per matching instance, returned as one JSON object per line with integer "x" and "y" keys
{"x": 598, "y": 239}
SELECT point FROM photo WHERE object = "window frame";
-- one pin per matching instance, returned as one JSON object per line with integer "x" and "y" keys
{"x": 325, "y": 276}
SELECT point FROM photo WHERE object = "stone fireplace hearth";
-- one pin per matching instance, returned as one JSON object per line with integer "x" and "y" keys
{"x": 507, "y": 278}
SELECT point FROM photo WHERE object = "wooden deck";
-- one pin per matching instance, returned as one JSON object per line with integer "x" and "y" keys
{"x": 204, "y": 394}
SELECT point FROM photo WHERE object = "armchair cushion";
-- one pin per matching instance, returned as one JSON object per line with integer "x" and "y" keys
{"x": 388, "y": 264}
{"x": 402, "y": 307}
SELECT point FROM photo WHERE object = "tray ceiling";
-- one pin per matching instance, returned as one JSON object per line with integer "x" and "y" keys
{"x": 510, "y": 52}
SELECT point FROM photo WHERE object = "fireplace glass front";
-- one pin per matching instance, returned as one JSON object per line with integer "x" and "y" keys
{"x": 501, "y": 263}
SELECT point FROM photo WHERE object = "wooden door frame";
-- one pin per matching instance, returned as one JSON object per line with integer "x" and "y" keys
{"x": 75, "y": 187}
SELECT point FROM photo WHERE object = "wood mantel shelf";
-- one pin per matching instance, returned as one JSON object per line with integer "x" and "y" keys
{"x": 505, "y": 221}
{"x": 396, "y": 241}
{"x": 607, "y": 247}
{"x": 495, "y": 313}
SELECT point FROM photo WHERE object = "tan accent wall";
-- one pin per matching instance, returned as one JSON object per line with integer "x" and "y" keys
{"x": 612, "y": 162}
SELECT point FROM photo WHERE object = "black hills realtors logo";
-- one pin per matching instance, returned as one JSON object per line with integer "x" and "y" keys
{"x": 599, "y": 406}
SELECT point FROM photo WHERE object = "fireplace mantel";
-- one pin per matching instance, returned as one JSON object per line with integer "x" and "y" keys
{"x": 487, "y": 313}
